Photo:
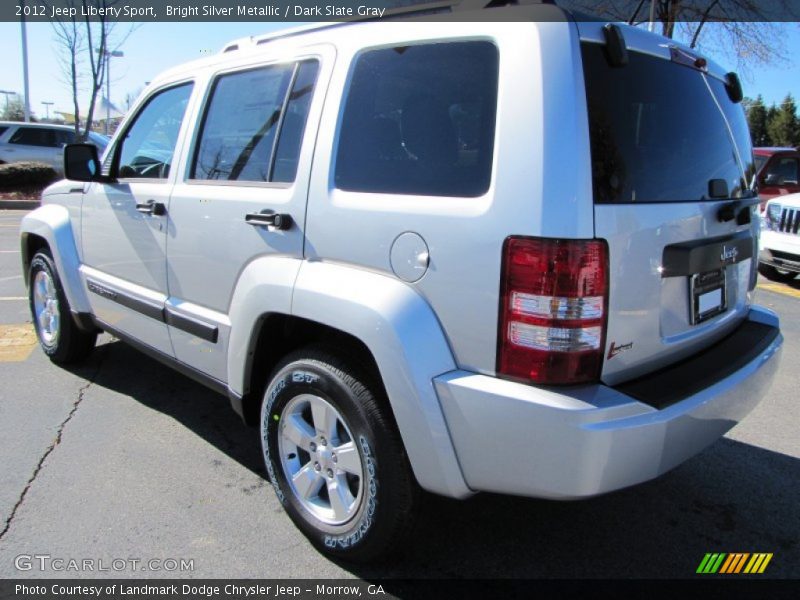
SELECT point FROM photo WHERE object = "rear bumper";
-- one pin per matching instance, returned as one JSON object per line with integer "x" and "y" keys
{"x": 569, "y": 443}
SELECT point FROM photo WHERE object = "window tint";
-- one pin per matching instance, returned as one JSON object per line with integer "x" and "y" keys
{"x": 149, "y": 143}
{"x": 241, "y": 123}
{"x": 782, "y": 171}
{"x": 294, "y": 123}
{"x": 62, "y": 137}
{"x": 420, "y": 120}
{"x": 33, "y": 136}
{"x": 657, "y": 134}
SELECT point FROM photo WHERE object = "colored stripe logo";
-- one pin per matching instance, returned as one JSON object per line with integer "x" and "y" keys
{"x": 734, "y": 562}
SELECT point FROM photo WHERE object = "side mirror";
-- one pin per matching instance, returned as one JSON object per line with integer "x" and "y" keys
{"x": 81, "y": 162}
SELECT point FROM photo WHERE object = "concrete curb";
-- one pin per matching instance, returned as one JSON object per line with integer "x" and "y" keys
{"x": 19, "y": 204}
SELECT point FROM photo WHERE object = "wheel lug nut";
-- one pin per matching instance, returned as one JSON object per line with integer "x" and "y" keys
{"x": 322, "y": 441}
{"x": 317, "y": 467}
{"x": 334, "y": 458}
{"x": 330, "y": 473}
{"x": 313, "y": 447}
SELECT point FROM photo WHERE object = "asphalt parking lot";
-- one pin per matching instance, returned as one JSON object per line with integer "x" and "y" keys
{"x": 123, "y": 458}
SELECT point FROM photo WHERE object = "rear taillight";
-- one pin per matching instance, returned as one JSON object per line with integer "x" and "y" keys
{"x": 553, "y": 300}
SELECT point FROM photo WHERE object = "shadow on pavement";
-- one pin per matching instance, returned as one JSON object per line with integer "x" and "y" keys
{"x": 732, "y": 498}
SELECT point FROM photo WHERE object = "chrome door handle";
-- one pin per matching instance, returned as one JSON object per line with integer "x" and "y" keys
{"x": 269, "y": 218}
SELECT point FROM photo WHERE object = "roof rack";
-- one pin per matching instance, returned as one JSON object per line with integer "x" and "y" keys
{"x": 428, "y": 8}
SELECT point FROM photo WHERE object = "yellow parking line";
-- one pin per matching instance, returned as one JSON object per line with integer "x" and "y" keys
{"x": 16, "y": 342}
{"x": 780, "y": 288}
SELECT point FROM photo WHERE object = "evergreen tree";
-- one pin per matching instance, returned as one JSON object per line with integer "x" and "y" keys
{"x": 757, "y": 120}
{"x": 784, "y": 127}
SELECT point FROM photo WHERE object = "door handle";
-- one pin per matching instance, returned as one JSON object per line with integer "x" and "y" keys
{"x": 151, "y": 207}
{"x": 269, "y": 218}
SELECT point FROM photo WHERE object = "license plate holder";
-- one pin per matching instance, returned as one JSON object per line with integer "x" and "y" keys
{"x": 707, "y": 295}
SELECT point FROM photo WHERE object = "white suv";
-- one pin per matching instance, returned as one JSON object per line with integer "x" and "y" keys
{"x": 40, "y": 142}
{"x": 512, "y": 257}
{"x": 779, "y": 259}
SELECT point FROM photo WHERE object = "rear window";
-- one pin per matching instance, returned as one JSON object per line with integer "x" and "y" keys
{"x": 657, "y": 133}
{"x": 420, "y": 120}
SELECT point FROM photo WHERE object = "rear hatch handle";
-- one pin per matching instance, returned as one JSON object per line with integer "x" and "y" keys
{"x": 738, "y": 209}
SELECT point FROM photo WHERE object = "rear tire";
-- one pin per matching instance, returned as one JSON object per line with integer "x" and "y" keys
{"x": 59, "y": 336}
{"x": 335, "y": 459}
{"x": 775, "y": 274}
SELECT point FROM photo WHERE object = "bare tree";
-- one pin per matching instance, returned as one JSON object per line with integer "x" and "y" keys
{"x": 746, "y": 30}
{"x": 87, "y": 45}
{"x": 69, "y": 36}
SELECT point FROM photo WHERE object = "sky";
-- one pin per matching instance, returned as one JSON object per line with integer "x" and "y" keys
{"x": 150, "y": 49}
{"x": 153, "y": 47}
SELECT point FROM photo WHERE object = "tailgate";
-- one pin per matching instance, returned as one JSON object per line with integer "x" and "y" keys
{"x": 671, "y": 166}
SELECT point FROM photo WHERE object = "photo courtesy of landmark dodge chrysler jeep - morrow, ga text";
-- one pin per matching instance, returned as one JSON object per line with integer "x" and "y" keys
{"x": 514, "y": 255}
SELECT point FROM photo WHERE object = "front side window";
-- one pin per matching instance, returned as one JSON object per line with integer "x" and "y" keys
{"x": 254, "y": 124}
{"x": 782, "y": 171}
{"x": 64, "y": 137}
{"x": 33, "y": 136}
{"x": 420, "y": 120}
{"x": 148, "y": 146}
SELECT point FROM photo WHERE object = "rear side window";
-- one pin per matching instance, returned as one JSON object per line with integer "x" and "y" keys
{"x": 420, "y": 120}
{"x": 287, "y": 152}
{"x": 254, "y": 126}
{"x": 3, "y": 130}
{"x": 657, "y": 133}
{"x": 33, "y": 136}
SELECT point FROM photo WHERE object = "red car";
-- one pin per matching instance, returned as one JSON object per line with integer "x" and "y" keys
{"x": 777, "y": 172}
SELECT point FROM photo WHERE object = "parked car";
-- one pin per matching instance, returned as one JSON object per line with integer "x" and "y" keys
{"x": 776, "y": 172}
{"x": 40, "y": 142}
{"x": 509, "y": 254}
{"x": 779, "y": 256}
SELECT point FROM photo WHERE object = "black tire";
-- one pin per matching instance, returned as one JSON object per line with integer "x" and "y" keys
{"x": 70, "y": 343}
{"x": 774, "y": 274}
{"x": 387, "y": 493}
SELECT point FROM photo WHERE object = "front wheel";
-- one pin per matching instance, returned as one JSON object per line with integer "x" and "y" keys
{"x": 775, "y": 274}
{"x": 335, "y": 458}
{"x": 59, "y": 336}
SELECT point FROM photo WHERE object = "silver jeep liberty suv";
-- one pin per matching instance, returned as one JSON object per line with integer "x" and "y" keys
{"x": 405, "y": 250}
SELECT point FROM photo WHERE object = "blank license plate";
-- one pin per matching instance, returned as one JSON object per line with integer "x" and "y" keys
{"x": 708, "y": 298}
